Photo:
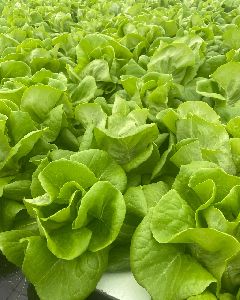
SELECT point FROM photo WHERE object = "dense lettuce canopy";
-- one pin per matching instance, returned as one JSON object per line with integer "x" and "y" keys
{"x": 120, "y": 145}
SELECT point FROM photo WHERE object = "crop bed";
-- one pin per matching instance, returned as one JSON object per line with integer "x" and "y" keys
{"x": 120, "y": 145}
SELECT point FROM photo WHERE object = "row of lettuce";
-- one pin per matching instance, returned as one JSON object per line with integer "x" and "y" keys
{"x": 120, "y": 145}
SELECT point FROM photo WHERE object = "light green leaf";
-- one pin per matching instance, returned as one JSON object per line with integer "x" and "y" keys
{"x": 103, "y": 166}
{"x": 173, "y": 266}
{"x": 70, "y": 171}
{"x": 12, "y": 68}
{"x": 19, "y": 124}
{"x": 85, "y": 91}
{"x": 11, "y": 247}
{"x": 229, "y": 83}
{"x": 141, "y": 198}
{"x": 172, "y": 59}
{"x": 53, "y": 122}
{"x": 233, "y": 127}
{"x": 102, "y": 211}
{"x": 90, "y": 114}
{"x": 21, "y": 149}
{"x": 98, "y": 69}
{"x": 39, "y": 100}
{"x": 67, "y": 243}
{"x": 188, "y": 150}
{"x": 209, "y": 88}
{"x": 81, "y": 273}
{"x": 231, "y": 37}
{"x": 199, "y": 108}
{"x": 171, "y": 216}
{"x": 124, "y": 148}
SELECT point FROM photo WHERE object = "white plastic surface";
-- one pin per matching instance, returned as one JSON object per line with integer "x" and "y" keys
{"x": 122, "y": 286}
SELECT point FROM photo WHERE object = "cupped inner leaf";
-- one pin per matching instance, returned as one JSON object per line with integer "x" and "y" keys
{"x": 57, "y": 173}
{"x": 102, "y": 211}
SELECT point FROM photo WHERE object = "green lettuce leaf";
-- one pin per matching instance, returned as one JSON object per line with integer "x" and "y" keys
{"x": 54, "y": 272}
{"x": 149, "y": 257}
{"x": 104, "y": 217}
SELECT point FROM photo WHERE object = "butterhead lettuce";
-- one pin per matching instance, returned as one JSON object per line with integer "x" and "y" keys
{"x": 120, "y": 145}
